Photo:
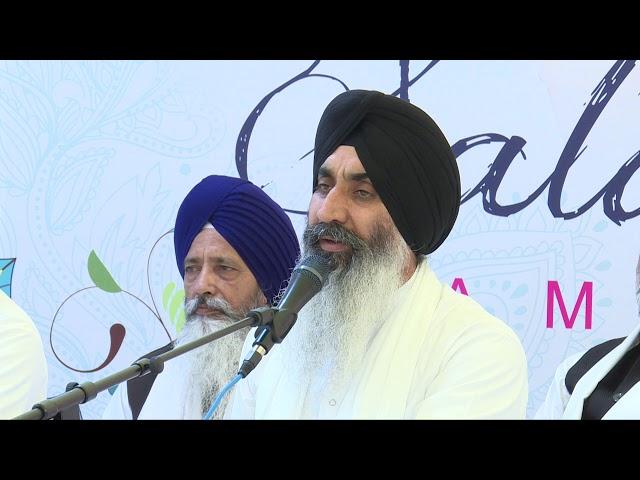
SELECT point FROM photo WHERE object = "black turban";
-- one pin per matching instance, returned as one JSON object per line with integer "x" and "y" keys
{"x": 406, "y": 157}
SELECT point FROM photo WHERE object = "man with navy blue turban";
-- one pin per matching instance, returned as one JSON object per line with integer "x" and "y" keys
{"x": 235, "y": 249}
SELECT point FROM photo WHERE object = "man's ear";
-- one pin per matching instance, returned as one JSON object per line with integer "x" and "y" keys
{"x": 262, "y": 300}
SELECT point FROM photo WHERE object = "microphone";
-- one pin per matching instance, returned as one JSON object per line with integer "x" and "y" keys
{"x": 306, "y": 281}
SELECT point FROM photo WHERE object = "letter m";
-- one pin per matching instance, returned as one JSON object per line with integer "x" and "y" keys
{"x": 586, "y": 294}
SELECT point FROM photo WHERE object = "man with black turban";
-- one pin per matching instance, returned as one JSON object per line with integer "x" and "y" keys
{"x": 385, "y": 338}
{"x": 235, "y": 249}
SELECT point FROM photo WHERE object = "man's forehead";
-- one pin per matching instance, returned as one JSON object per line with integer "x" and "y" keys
{"x": 344, "y": 161}
{"x": 210, "y": 241}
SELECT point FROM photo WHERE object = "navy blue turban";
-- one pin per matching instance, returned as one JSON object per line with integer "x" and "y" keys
{"x": 246, "y": 217}
{"x": 406, "y": 156}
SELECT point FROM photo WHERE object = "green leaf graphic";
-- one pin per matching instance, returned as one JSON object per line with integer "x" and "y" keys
{"x": 176, "y": 302}
{"x": 180, "y": 320}
{"x": 100, "y": 275}
{"x": 173, "y": 303}
{"x": 166, "y": 295}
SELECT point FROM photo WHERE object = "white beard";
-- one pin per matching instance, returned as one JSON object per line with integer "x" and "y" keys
{"x": 334, "y": 330}
{"x": 211, "y": 366}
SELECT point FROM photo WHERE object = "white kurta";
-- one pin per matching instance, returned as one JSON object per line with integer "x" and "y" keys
{"x": 23, "y": 367}
{"x": 560, "y": 405}
{"x": 438, "y": 355}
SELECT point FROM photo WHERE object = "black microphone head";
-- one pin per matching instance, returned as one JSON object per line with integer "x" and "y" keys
{"x": 307, "y": 280}
{"x": 319, "y": 265}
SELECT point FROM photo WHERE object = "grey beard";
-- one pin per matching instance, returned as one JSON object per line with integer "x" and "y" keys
{"x": 213, "y": 365}
{"x": 332, "y": 334}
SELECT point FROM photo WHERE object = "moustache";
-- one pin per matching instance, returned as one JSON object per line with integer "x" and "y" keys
{"x": 213, "y": 303}
{"x": 314, "y": 233}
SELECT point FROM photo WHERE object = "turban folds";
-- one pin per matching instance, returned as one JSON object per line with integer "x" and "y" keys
{"x": 246, "y": 217}
{"x": 406, "y": 157}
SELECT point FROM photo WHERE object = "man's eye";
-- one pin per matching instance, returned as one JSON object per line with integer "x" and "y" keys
{"x": 322, "y": 188}
{"x": 363, "y": 194}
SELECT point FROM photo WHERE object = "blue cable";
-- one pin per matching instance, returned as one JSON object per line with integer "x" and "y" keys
{"x": 222, "y": 393}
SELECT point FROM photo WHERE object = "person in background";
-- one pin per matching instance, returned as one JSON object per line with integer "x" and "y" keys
{"x": 235, "y": 249}
{"x": 23, "y": 367}
{"x": 600, "y": 384}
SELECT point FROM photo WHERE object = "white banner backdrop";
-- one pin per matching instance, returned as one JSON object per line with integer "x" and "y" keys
{"x": 97, "y": 156}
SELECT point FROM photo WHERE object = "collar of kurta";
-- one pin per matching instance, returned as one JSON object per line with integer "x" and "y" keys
{"x": 628, "y": 405}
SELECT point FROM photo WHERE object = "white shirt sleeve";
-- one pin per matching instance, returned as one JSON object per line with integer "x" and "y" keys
{"x": 557, "y": 396}
{"x": 118, "y": 408}
{"x": 484, "y": 377}
{"x": 23, "y": 367}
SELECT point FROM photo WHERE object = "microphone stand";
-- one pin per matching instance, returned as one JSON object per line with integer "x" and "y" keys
{"x": 77, "y": 394}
